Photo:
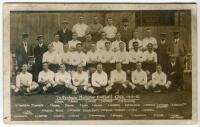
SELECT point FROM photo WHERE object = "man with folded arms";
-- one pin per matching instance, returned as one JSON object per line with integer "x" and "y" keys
{"x": 115, "y": 44}
{"x": 122, "y": 56}
{"x": 99, "y": 81}
{"x": 58, "y": 46}
{"x": 159, "y": 80}
{"x": 66, "y": 57}
{"x": 118, "y": 80}
{"x": 92, "y": 58}
{"x": 135, "y": 38}
{"x": 110, "y": 30}
{"x": 80, "y": 80}
{"x": 150, "y": 59}
{"x": 135, "y": 55}
{"x": 107, "y": 58}
{"x": 101, "y": 42}
{"x": 52, "y": 58}
{"x": 46, "y": 79}
{"x": 78, "y": 57}
{"x": 24, "y": 84}
{"x": 139, "y": 79}
{"x": 73, "y": 42}
{"x": 63, "y": 81}
{"x": 80, "y": 28}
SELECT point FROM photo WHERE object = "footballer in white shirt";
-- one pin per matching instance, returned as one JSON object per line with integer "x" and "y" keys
{"x": 63, "y": 82}
{"x": 46, "y": 79}
{"x": 159, "y": 81}
{"x": 118, "y": 80}
{"x": 150, "y": 59}
{"x": 99, "y": 81}
{"x": 139, "y": 79}
{"x": 80, "y": 80}
{"x": 24, "y": 84}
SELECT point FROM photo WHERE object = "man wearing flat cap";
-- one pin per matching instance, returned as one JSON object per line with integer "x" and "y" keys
{"x": 178, "y": 48}
{"x": 23, "y": 51}
{"x": 65, "y": 33}
{"x": 162, "y": 51}
{"x": 39, "y": 50}
{"x": 126, "y": 31}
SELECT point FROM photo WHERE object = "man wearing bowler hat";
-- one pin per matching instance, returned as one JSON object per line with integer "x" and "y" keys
{"x": 65, "y": 33}
{"x": 23, "y": 51}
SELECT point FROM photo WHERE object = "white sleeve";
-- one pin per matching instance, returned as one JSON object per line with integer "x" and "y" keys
{"x": 44, "y": 58}
{"x": 30, "y": 78}
{"x": 130, "y": 45}
{"x": 56, "y": 78}
{"x": 18, "y": 80}
{"x": 154, "y": 79}
{"x": 75, "y": 83}
{"x": 74, "y": 29}
{"x": 155, "y": 44}
{"x": 155, "y": 57}
{"x": 94, "y": 80}
{"x": 105, "y": 80}
{"x": 124, "y": 76}
{"x": 40, "y": 77}
{"x": 86, "y": 79}
{"x": 133, "y": 77}
{"x": 112, "y": 76}
{"x": 164, "y": 80}
{"x": 68, "y": 79}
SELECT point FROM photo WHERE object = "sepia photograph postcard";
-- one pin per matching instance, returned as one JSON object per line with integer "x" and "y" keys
{"x": 99, "y": 63}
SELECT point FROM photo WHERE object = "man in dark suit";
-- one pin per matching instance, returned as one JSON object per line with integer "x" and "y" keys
{"x": 23, "y": 51}
{"x": 162, "y": 51}
{"x": 39, "y": 50}
{"x": 178, "y": 47}
{"x": 175, "y": 73}
{"x": 126, "y": 32}
{"x": 65, "y": 33}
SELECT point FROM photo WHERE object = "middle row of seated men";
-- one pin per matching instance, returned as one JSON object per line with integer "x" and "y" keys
{"x": 107, "y": 57}
{"x": 98, "y": 84}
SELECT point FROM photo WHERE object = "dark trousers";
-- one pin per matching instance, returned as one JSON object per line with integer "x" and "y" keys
{"x": 140, "y": 89}
{"x": 160, "y": 87}
{"x": 67, "y": 66}
{"x": 81, "y": 90}
{"x": 99, "y": 90}
{"x": 176, "y": 79}
{"x": 151, "y": 67}
{"x": 59, "y": 89}
{"x": 108, "y": 67}
{"x": 82, "y": 39}
{"x": 125, "y": 67}
{"x": 21, "y": 92}
{"x": 54, "y": 67}
{"x": 41, "y": 91}
{"x": 117, "y": 88}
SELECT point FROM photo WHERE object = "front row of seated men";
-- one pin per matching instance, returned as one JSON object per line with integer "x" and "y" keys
{"x": 97, "y": 83}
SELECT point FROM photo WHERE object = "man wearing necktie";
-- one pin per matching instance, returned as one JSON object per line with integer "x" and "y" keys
{"x": 23, "y": 51}
{"x": 178, "y": 48}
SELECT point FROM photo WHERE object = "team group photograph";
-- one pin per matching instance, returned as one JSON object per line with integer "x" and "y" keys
{"x": 96, "y": 59}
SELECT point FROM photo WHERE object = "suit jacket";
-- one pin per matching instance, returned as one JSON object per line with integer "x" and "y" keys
{"x": 65, "y": 36}
{"x": 181, "y": 47}
{"x": 22, "y": 55}
{"x": 126, "y": 35}
{"x": 38, "y": 53}
{"x": 176, "y": 68}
